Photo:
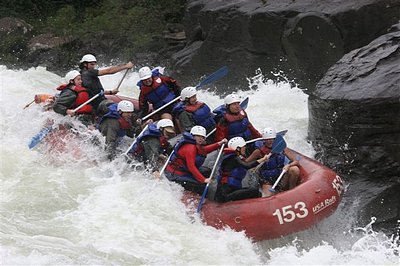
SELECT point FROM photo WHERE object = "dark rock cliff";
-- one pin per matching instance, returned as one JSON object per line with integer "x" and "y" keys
{"x": 303, "y": 38}
{"x": 355, "y": 110}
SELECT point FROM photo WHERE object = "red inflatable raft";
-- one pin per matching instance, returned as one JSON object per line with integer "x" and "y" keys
{"x": 315, "y": 198}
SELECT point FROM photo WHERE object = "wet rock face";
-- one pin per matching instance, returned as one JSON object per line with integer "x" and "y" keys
{"x": 303, "y": 38}
{"x": 355, "y": 111}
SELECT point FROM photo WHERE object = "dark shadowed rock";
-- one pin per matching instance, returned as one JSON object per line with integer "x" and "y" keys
{"x": 355, "y": 111}
{"x": 302, "y": 37}
{"x": 14, "y": 34}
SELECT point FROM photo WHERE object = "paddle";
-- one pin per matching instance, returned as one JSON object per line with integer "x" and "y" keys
{"x": 88, "y": 101}
{"x": 272, "y": 189}
{"x": 26, "y": 106}
{"x": 243, "y": 105}
{"x": 211, "y": 78}
{"x": 122, "y": 79}
{"x": 278, "y": 146}
{"x": 281, "y": 133}
{"x": 134, "y": 142}
{"x": 39, "y": 136}
{"x": 211, "y": 176}
{"x": 44, "y": 131}
{"x": 166, "y": 163}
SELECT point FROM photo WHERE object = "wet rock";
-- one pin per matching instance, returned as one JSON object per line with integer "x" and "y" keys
{"x": 303, "y": 38}
{"x": 14, "y": 34}
{"x": 355, "y": 111}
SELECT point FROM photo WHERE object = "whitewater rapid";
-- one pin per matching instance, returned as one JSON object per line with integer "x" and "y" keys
{"x": 68, "y": 210}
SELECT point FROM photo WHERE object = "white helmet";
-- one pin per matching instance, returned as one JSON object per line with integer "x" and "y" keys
{"x": 188, "y": 92}
{"x": 269, "y": 133}
{"x": 125, "y": 106}
{"x": 71, "y": 75}
{"x": 144, "y": 73}
{"x": 198, "y": 131}
{"x": 165, "y": 123}
{"x": 88, "y": 58}
{"x": 231, "y": 98}
{"x": 236, "y": 142}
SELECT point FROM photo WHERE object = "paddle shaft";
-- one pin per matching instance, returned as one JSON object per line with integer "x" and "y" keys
{"x": 134, "y": 142}
{"x": 211, "y": 176}
{"x": 272, "y": 189}
{"x": 26, "y": 106}
{"x": 166, "y": 163}
{"x": 122, "y": 79}
{"x": 282, "y": 133}
{"x": 88, "y": 101}
{"x": 159, "y": 109}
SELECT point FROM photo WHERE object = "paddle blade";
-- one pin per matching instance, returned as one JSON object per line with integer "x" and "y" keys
{"x": 282, "y": 133}
{"x": 213, "y": 77}
{"x": 279, "y": 144}
{"x": 244, "y": 103}
{"x": 38, "y": 137}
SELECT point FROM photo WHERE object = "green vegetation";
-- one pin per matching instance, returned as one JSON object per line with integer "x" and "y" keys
{"x": 134, "y": 25}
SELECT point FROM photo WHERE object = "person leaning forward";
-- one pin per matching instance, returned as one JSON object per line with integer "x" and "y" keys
{"x": 152, "y": 146}
{"x": 277, "y": 162}
{"x": 117, "y": 123}
{"x": 185, "y": 166}
{"x": 232, "y": 172}
{"x": 90, "y": 77}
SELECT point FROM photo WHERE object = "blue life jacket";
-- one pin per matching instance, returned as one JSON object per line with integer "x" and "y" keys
{"x": 151, "y": 130}
{"x": 159, "y": 94}
{"x": 234, "y": 177}
{"x": 273, "y": 167}
{"x": 113, "y": 113}
{"x": 219, "y": 112}
{"x": 202, "y": 115}
{"x": 238, "y": 124}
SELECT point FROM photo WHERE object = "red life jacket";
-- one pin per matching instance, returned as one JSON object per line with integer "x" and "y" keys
{"x": 265, "y": 150}
{"x": 123, "y": 124}
{"x": 81, "y": 96}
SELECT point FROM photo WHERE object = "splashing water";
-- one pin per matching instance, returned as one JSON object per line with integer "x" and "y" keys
{"x": 68, "y": 208}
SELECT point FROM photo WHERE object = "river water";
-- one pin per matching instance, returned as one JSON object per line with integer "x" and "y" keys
{"x": 70, "y": 209}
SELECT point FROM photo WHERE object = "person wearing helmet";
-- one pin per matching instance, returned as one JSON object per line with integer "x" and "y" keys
{"x": 90, "y": 77}
{"x": 116, "y": 123}
{"x": 233, "y": 121}
{"x": 190, "y": 112}
{"x": 185, "y": 166}
{"x": 73, "y": 95}
{"x": 233, "y": 170}
{"x": 152, "y": 146}
{"x": 156, "y": 89}
{"x": 277, "y": 162}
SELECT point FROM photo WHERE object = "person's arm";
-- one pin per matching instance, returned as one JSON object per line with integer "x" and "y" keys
{"x": 64, "y": 102}
{"x": 186, "y": 121}
{"x": 173, "y": 85}
{"x": 115, "y": 69}
{"x": 189, "y": 151}
{"x": 256, "y": 154}
{"x": 244, "y": 164}
{"x": 214, "y": 146}
{"x": 222, "y": 130}
{"x": 143, "y": 105}
{"x": 291, "y": 156}
{"x": 254, "y": 132}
